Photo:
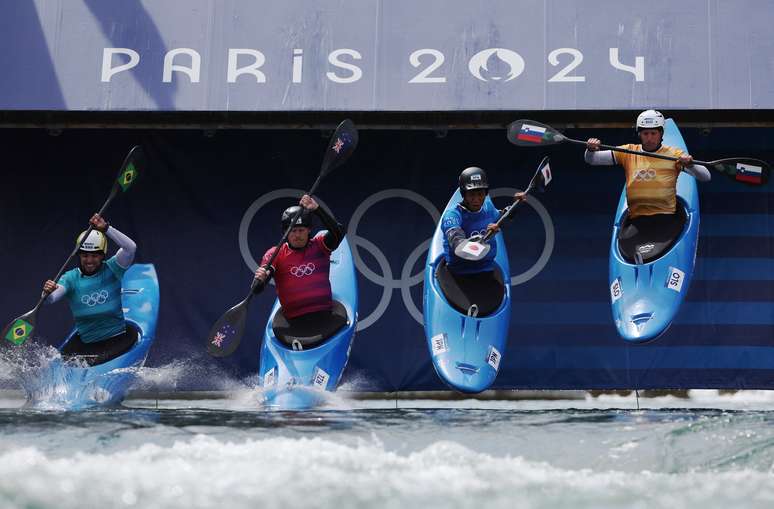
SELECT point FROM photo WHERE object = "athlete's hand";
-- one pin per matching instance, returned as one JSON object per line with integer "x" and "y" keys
{"x": 592, "y": 144}
{"x": 308, "y": 202}
{"x": 98, "y": 223}
{"x": 49, "y": 286}
{"x": 519, "y": 196}
{"x": 261, "y": 274}
{"x": 685, "y": 161}
{"x": 492, "y": 227}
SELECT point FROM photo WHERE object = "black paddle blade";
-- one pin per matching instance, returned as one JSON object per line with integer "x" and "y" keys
{"x": 131, "y": 167}
{"x": 744, "y": 169}
{"x": 20, "y": 329}
{"x": 530, "y": 133}
{"x": 340, "y": 147}
{"x": 227, "y": 332}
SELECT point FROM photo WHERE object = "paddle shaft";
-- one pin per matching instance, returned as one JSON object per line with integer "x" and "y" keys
{"x": 507, "y": 214}
{"x": 636, "y": 152}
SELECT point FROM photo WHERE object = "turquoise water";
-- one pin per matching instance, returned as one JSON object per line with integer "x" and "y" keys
{"x": 708, "y": 450}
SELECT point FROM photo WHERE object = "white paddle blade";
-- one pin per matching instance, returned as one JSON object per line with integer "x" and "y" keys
{"x": 545, "y": 172}
{"x": 472, "y": 250}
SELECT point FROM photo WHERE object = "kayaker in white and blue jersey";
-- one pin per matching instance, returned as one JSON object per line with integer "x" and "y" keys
{"x": 471, "y": 219}
{"x": 93, "y": 291}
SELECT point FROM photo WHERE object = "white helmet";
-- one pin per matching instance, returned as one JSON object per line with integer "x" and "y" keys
{"x": 95, "y": 242}
{"x": 650, "y": 119}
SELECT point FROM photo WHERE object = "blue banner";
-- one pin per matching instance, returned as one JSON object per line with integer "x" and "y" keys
{"x": 209, "y": 206}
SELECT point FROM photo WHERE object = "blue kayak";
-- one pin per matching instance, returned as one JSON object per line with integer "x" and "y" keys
{"x": 296, "y": 372}
{"x": 75, "y": 385}
{"x": 646, "y": 296}
{"x": 466, "y": 345}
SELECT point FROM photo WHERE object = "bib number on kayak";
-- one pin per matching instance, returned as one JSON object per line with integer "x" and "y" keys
{"x": 438, "y": 344}
{"x": 493, "y": 358}
{"x": 675, "y": 279}
{"x": 320, "y": 379}
{"x": 270, "y": 378}
{"x": 616, "y": 292}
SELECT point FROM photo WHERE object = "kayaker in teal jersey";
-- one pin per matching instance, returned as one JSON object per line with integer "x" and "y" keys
{"x": 93, "y": 291}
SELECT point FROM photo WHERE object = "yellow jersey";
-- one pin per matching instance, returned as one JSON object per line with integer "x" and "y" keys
{"x": 651, "y": 184}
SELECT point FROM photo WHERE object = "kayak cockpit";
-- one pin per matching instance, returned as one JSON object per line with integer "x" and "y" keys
{"x": 478, "y": 295}
{"x": 645, "y": 243}
{"x": 100, "y": 352}
{"x": 309, "y": 331}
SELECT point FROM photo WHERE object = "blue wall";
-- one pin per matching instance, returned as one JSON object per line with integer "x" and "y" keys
{"x": 185, "y": 215}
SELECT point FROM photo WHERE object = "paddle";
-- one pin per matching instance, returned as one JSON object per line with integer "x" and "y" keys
{"x": 21, "y": 328}
{"x": 530, "y": 133}
{"x": 225, "y": 335}
{"x": 477, "y": 247}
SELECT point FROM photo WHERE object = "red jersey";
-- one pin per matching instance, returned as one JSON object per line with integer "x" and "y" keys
{"x": 302, "y": 277}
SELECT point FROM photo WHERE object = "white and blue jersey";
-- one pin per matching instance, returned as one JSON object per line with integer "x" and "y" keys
{"x": 95, "y": 301}
{"x": 471, "y": 223}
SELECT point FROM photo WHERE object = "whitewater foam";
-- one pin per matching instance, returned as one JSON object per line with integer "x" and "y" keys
{"x": 284, "y": 472}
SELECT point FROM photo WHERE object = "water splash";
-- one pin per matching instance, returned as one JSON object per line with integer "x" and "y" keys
{"x": 31, "y": 367}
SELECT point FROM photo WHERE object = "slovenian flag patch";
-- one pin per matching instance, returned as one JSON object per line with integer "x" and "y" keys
{"x": 749, "y": 173}
{"x": 531, "y": 133}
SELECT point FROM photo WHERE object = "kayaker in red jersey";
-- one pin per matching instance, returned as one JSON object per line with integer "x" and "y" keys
{"x": 301, "y": 272}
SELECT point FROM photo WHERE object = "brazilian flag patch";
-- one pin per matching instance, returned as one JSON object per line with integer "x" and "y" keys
{"x": 19, "y": 332}
{"x": 127, "y": 178}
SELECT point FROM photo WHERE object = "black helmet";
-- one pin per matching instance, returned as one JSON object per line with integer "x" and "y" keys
{"x": 473, "y": 178}
{"x": 304, "y": 219}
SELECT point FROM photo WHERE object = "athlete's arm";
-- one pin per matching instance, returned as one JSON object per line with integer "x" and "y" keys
{"x": 262, "y": 277}
{"x": 594, "y": 157}
{"x": 451, "y": 227}
{"x": 127, "y": 247}
{"x": 335, "y": 233}
{"x": 264, "y": 273}
{"x": 599, "y": 157}
{"x": 455, "y": 236}
{"x": 57, "y": 292}
{"x": 520, "y": 196}
{"x": 700, "y": 172}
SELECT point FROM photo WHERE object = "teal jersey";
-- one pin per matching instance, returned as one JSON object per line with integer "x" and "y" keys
{"x": 96, "y": 301}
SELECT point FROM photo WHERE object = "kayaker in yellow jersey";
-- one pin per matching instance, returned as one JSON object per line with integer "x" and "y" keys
{"x": 651, "y": 184}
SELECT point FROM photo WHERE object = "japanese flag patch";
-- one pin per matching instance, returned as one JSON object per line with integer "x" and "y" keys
{"x": 546, "y": 171}
{"x": 473, "y": 248}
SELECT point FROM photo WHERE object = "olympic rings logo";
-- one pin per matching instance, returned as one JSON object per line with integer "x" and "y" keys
{"x": 645, "y": 175}
{"x": 305, "y": 269}
{"x": 386, "y": 280}
{"x": 95, "y": 298}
